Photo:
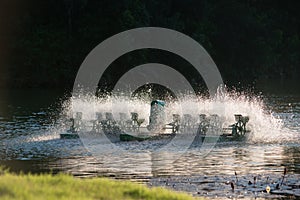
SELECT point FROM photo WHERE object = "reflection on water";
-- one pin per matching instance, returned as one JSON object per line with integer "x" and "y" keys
{"x": 29, "y": 142}
{"x": 71, "y": 156}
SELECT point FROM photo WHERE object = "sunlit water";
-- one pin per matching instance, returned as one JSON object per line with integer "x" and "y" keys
{"x": 30, "y": 142}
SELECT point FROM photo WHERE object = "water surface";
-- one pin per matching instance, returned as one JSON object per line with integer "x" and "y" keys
{"x": 30, "y": 123}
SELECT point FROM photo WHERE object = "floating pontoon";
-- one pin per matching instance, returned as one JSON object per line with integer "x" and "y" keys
{"x": 134, "y": 128}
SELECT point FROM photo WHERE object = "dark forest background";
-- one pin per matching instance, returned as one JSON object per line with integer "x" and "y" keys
{"x": 43, "y": 43}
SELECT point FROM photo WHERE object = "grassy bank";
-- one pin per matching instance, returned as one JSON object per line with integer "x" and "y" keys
{"x": 67, "y": 187}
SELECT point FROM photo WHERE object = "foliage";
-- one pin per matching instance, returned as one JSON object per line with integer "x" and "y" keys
{"x": 248, "y": 40}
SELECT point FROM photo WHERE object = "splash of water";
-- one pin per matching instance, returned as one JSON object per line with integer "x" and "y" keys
{"x": 264, "y": 126}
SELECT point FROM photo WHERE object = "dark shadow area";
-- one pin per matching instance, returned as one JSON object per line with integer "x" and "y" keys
{"x": 135, "y": 58}
{"x": 43, "y": 43}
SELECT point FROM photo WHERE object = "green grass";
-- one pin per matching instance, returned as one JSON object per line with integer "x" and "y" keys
{"x": 64, "y": 186}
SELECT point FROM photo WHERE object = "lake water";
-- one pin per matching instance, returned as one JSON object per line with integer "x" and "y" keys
{"x": 31, "y": 121}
